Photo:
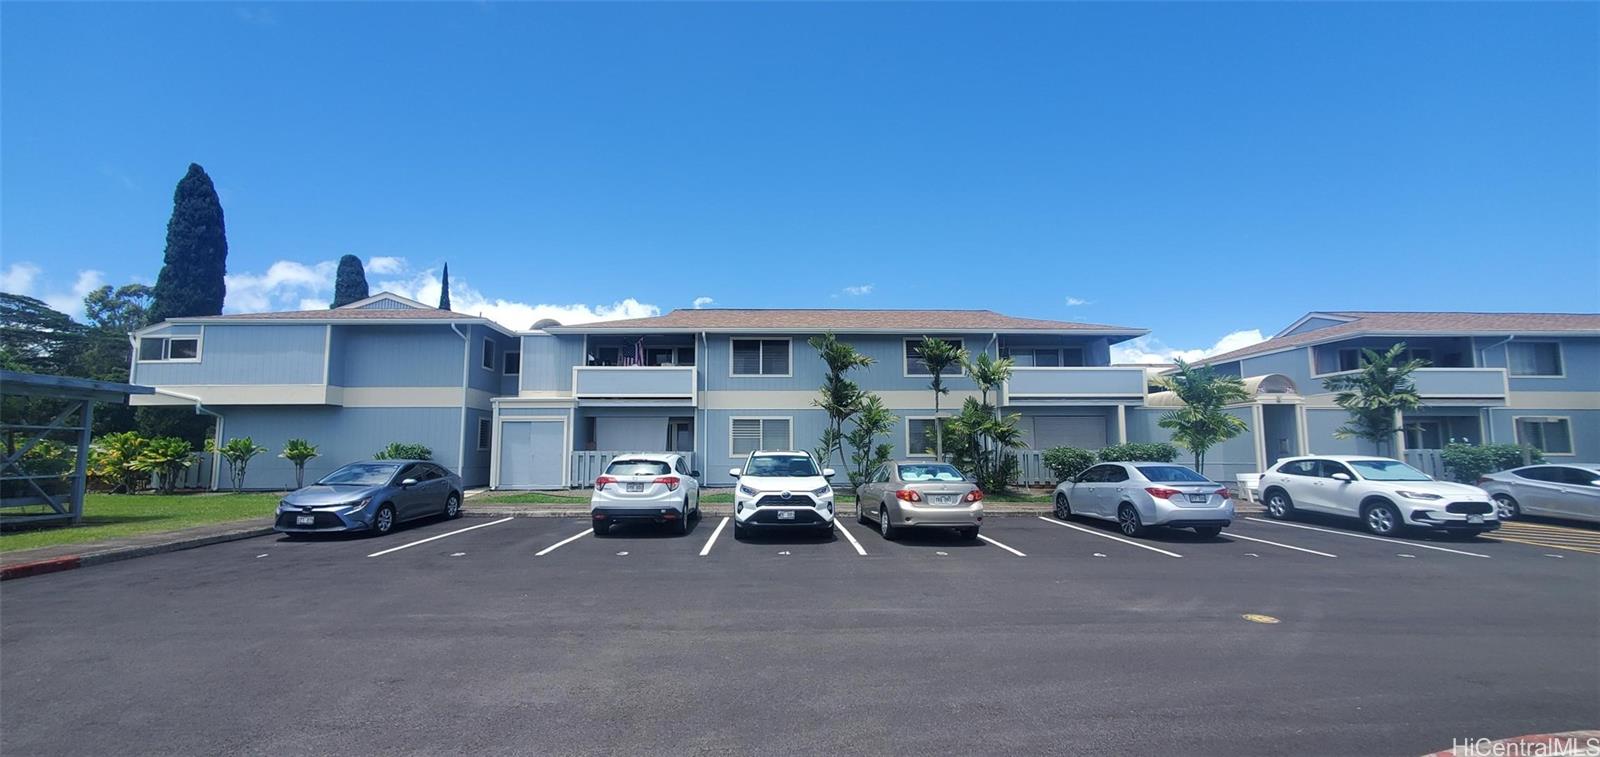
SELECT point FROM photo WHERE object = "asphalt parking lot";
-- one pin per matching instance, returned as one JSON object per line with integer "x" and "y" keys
{"x": 529, "y": 635}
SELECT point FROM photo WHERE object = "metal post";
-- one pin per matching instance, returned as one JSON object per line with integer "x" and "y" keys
{"x": 80, "y": 474}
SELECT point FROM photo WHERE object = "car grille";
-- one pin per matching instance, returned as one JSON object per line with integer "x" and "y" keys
{"x": 324, "y": 519}
{"x": 802, "y": 516}
{"x": 1469, "y": 508}
{"x": 797, "y": 500}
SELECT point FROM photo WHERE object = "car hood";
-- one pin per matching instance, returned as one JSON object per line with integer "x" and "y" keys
{"x": 319, "y": 495}
{"x": 784, "y": 483}
{"x": 1441, "y": 488}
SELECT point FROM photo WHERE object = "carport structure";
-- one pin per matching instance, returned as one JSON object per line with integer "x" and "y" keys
{"x": 27, "y": 485}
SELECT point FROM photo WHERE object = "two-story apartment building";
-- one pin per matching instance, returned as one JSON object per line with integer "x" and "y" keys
{"x": 1493, "y": 378}
{"x": 350, "y": 380}
{"x": 720, "y": 383}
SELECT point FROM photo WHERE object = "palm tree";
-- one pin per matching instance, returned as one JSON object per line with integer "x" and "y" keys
{"x": 1376, "y": 394}
{"x": 1203, "y": 422}
{"x": 938, "y": 355}
{"x": 840, "y": 397}
{"x": 989, "y": 373}
{"x": 299, "y": 452}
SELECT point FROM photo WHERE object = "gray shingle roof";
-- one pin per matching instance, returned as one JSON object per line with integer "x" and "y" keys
{"x": 845, "y": 320}
{"x": 1440, "y": 323}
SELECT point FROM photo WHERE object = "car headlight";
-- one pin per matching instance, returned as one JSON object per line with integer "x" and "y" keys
{"x": 746, "y": 491}
{"x": 823, "y": 492}
{"x": 355, "y": 507}
{"x": 1417, "y": 495}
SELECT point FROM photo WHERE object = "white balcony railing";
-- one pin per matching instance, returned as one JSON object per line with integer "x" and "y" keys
{"x": 1069, "y": 384}
{"x": 634, "y": 382}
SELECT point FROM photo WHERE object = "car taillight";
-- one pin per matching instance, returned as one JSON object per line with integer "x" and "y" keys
{"x": 976, "y": 495}
{"x": 1223, "y": 493}
{"x": 600, "y": 483}
{"x": 1162, "y": 492}
{"x": 1483, "y": 480}
{"x": 908, "y": 495}
{"x": 670, "y": 481}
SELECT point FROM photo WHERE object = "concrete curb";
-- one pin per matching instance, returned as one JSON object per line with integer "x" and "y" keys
{"x": 116, "y": 554}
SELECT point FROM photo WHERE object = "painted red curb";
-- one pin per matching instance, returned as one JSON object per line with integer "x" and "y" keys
{"x": 39, "y": 567}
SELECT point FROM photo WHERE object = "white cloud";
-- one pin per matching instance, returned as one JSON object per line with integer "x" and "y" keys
{"x": 384, "y": 265}
{"x": 424, "y": 286}
{"x": 857, "y": 291}
{"x": 1076, "y": 301}
{"x": 1149, "y": 349}
{"x": 19, "y": 278}
{"x": 287, "y": 285}
{"x": 700, "y": 302}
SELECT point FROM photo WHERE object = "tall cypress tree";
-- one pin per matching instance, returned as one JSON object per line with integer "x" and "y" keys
{"x": 191, "y": 280}
{"x": 350, "y": 284}
{"x": 444, "y": 289}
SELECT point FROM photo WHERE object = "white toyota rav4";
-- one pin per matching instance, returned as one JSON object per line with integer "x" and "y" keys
{"x": 1387, "y": 495}
{"x": 782, "y": 490}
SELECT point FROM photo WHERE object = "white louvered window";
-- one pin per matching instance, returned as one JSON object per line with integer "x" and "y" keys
{"x": 760, "y": 357}
{"x": 751, "y": 434}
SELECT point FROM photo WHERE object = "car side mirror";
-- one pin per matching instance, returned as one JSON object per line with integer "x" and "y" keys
{"x": 1345, "y": 477}
{"x": 408, "y": 482}
{"x": 827, "y": 473}
{"x": 694, "y": 474}
{"x": 733, "y": 472}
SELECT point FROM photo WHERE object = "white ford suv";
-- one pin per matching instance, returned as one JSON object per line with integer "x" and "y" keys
{"x": 782, "y": 490}
{"x": 1387, "y": 495}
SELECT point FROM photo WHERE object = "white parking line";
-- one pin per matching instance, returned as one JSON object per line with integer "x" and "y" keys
{"x": 1002, "y": 546}
{"x": 440, "y": 536}
{"x": 1276, "y": 544}
{"x": 849, "y": 536}
{"x": 706, "y": 550}
{"x": 563, "y": 542}
{"x": 1364, "y": 536}
{"x": 1093, "y": 532}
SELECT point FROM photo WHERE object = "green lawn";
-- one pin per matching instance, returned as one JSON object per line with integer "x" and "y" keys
{"x": 108, "y": 516}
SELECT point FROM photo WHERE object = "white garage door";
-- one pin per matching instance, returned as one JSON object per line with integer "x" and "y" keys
{"x": 532, "y": 454}
{"x": 1081, "y": 431}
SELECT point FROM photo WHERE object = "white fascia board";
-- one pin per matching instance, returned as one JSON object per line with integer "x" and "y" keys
{"x": 842, "y": 331}
{"x": 1400, "y": 335}
{"x": 225, "y": 321}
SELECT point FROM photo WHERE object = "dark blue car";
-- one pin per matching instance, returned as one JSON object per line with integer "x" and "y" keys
{"x": 372, "y": 496}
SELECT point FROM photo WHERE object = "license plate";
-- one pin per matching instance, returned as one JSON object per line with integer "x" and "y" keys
{"x": 305, "y": 520}
{"x": 785, "y": 515}
{"x": 635, "y": 487}
{"x": 1199, "y": 498}
{"x": 1474, "y": 518}
{"x": 943, "y": 499}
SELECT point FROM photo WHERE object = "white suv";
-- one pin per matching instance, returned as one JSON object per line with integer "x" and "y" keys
{"x": 782, "y": 490}
{"x": 1387, "y": 495}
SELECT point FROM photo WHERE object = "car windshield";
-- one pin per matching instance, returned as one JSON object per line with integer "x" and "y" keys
{"x": 1387, "y": 470}
{"x": 361, "y": 474}
{"x": 1172, "y": 474}
{"x": 637, "y": 468}
{"x": 781, "y": 465}
{"x": 930, "y": 472}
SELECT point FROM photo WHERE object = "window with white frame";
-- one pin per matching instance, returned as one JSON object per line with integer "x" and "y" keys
{"x": 761, "y": 357}
{"x": 1534, "y": 358}
{"x": 921, "y": 437}
{"x": 1552, "y": 436}
{"x": 915, "y": 366}
{"x": 157, "y": 348}
{"x": 485, "y": 433}
{"x": 513, "y": 363}
{"x": 488, "y": 354}
{"x": 752, "y": 434}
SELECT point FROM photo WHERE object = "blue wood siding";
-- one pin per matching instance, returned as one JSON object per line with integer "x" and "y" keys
{"x": 342, "y": 435}
{"x": 807, "y": 369}
{"x": 1580, "y": 360}
{"x": 547, "y": 362}
{"x": 407, "y": 355}
{"x": 276, "y": 354}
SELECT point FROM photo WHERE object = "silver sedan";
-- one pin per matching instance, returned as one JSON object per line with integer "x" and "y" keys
{"x": 919, "y": 494}
{"x": 1140, "y": 495}
{"x": 1556, "y": 491}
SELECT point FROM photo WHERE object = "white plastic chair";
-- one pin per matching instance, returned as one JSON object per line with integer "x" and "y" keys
{"x": 1249, "y": 485}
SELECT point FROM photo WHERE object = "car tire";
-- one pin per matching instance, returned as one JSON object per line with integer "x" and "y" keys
{"x": 452, "y": 506}
{"x": 1128, "y": 520}
{"x": 602, "y": 529}
{"x": 826, "y": 532}
{"x": 1210, "y": 532}
{"x": 739, "y": 531}
{"x": 1063, "y": 509}
{"x": 886, "y": 529}
{"x": 1278, "y": 504}
{"x": 683, "y": 520}
{"x": 970, "y": 534}
{"x": 383, "y": 522}
{"x": 861, "y": 515}
{"x": 1506, "y": 507}
{"x": 1382, "y": 519}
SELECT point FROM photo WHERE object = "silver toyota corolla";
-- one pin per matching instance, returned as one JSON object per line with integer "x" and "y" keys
{"x": 1140, "y": 495}
{"x": 918, "y": 494}
{"x": 1556, "y": 491}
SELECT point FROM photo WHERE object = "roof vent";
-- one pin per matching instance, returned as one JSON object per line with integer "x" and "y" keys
{"x": 544, "y": 323}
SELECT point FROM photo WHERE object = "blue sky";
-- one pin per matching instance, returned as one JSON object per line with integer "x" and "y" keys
{"x": 1203, "y": 170}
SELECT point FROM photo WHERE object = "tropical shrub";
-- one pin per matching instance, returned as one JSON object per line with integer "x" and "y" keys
{"x": 236, "y": 452}
{"x": 1137, "y": 452}
{"x": 839, "y": 397}
{"x": 50, "y": 459}
{"x": 403, "y": 451}
{"x": 1376, "y": 395}
{"x": 980, "y": 444}
{"x": 111, "y": 462}
{"x": 167, "y": 457}
{"x": 1466, "y": 462}
{"x": 1203, "y": 422}
{"x": 871, "y": 421}
{"x": 299, "y": 452}
{"x": 1067, "y": 462}
{"x": 939, "y": 356}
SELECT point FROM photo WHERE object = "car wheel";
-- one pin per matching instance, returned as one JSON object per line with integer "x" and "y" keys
{"x": 1382, "y": 519}
{"x": 1279, "y": 506}
{"x": 861, "y": 515}
{"x": 826, "y": 532}
{"x": 970, "y": 534}
{"x": 739, "y": 531}
{"x": 383, "y": 522}
{"x": 602, "y": 529}
{"x": 1506, "y": 507}
{"x": 1128, "y": 520}
{"x": 683, "y": 520}
{"x": 885, "y": 528}
{"x": 452, "y": 506}
{"x": 1063, "y": 509}
{"x": 1208, "y": 531}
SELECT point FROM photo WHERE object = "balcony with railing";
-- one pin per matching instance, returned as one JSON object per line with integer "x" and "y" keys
{"x": 634, "y": 384}
{"x": 1456, "y": 386}
{"x": 1042, "y": 386}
